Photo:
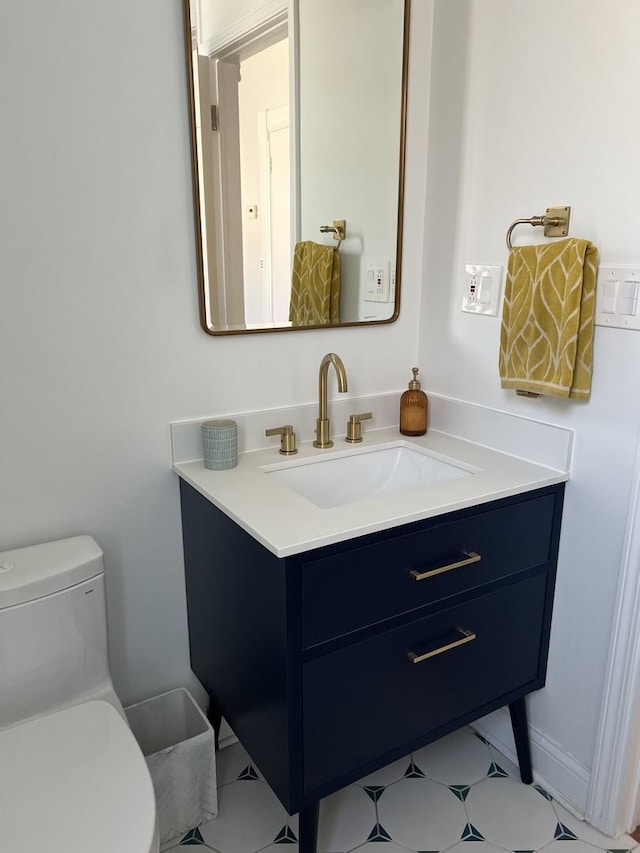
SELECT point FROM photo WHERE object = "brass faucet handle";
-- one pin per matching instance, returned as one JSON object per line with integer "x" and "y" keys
{"x": 354, "y": 427}
{"x": 287, "y": 439}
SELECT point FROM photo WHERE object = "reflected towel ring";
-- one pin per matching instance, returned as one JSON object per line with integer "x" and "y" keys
{"x": 555, "y": 221}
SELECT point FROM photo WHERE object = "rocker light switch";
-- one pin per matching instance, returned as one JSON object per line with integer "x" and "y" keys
{"x": 628, "y": 297}
{"x": 609, "y": 293}
{"x": 617, "y": 297}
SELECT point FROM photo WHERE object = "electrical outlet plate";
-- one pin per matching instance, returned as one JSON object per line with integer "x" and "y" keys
{"x": 482, "y": 284}
{"x": 378, "y": 285}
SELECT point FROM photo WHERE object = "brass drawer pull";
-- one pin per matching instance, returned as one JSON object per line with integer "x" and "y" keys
{"x": 467, "y": 637}
{"x": 470, "y": 557}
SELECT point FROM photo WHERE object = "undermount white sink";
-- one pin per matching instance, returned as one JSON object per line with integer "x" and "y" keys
{"x": 348, "y": 476}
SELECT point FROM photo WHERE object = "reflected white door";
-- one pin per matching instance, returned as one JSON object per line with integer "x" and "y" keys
{"x": 280, "y": 214}
{"x": 273, "y": 132}
{"x": 263, "y": 110}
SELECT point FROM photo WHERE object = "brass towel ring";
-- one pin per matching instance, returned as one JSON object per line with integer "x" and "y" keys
{"x": 338, "y": 229}
{"x": 555, "y": 221}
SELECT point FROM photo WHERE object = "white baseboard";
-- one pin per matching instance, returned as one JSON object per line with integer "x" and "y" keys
{"x": 229, "y": 740}
{"x": 559, "y": 773}
{"x": 226, "y": 736}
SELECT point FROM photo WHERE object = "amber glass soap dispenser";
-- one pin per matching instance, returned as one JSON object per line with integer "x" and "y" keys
{"x": 414, "y": 405}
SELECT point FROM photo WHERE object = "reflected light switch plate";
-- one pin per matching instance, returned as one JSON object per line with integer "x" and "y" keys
{"x": 481, "y": 293}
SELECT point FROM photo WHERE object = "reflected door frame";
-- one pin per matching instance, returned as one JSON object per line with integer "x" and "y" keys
{"x": 278, "y": 19}
{"x": 228, "y": 180}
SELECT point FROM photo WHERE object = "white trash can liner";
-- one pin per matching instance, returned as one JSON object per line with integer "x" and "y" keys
{"x": 178, "y": 743}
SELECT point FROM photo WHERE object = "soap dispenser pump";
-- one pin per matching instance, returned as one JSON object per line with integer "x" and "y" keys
{"x": 413, "y": 408}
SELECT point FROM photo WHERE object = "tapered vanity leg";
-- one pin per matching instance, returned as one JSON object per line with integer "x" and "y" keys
{"x": 308, "y": 829}
{"x": 214, "y": 715}
{"x": 518, "y": 711}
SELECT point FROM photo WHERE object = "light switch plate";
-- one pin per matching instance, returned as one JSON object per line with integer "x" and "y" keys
{"x": 481, "y": 294}
{"x": 617, "y": 297}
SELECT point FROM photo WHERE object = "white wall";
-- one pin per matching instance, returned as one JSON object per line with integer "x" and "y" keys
{"x": 101, "y": 344}
{"x": 350, "y": 68}
{"x": 534, "y": 104}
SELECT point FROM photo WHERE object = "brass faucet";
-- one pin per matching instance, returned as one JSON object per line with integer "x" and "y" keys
{"x": 323, "y": 428}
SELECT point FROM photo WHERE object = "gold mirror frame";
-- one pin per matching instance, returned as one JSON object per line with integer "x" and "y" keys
{"x": 202, "y": 282}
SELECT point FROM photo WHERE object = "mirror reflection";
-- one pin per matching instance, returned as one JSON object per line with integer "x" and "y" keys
{"x": 298, "y": 113}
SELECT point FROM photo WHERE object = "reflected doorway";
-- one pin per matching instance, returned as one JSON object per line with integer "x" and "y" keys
{"x": 255, "y": 168}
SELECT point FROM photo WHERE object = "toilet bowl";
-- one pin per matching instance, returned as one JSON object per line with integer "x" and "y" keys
{"x": 72, "y": 776}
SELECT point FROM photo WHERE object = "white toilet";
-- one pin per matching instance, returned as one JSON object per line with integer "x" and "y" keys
{"x": 72, "y": 777}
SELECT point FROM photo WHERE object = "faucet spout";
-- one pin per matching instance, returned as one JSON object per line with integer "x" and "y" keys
{"x": 323, "y": 427}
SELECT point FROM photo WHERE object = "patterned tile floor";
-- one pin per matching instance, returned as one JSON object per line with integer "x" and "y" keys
{"x": 455, "y": 791}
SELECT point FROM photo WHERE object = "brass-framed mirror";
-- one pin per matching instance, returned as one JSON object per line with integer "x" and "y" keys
{"x": 298, "y": 125}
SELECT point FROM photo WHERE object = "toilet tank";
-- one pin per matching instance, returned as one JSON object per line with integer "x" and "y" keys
{"x": 53, "y": 630}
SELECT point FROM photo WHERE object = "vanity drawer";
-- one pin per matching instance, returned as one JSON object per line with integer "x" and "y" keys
{"x": 362, "y": 586}
{"x": 369, "y": 698}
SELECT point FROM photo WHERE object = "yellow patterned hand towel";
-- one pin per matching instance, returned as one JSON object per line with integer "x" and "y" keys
{"x": 315, "y": 285}
{"x": 546, "y": 340}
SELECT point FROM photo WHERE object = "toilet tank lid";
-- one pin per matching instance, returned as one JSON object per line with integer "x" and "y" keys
{"x": 39, "y": 570}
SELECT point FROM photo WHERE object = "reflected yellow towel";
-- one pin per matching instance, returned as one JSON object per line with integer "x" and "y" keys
{"x": 315, "y": 285}
{"x": 546, "y": 340}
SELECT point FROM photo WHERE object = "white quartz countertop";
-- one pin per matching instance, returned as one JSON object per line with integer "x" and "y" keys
{"x": 287, "y": 523}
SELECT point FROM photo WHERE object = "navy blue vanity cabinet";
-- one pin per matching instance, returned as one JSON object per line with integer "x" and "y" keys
{"x": 332, "y": 663}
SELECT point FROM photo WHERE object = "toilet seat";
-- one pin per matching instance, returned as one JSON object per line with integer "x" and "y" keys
{"x": 74, "y": 781}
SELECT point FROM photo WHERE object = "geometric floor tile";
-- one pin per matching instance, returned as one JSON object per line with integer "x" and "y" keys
{"x": 374, "y": 792}
{"x": 470, "y": 833}
{"x": 249, "y": 818}
{"x": 193, "y": 837}
{"x": 413, "y": 771}
{"x": 249, "y": 774}
{"x": 286, "y": 836}
{"x": 504, "y": 763}
{"x": 564, "y": 834}
{"x": 542, "y": 792}
{"x": 439, "y": 800}
{"x": 511, "y": 815}
{"x": 460, "y": 791}
{"x": 569, "y": 847}
{"x": 459, "y": 758}
{"x": 422, "y": 815}
{"x": 496, "y": 772}
{"x": 346, "y": 819}
{"x": 386, "y": 775}
{"x": 379, "y": 833}
{"x": 589, "y": 834}
{"x": 232, "y": 762}
{"x": 477, "y": 847}
{"x": 276, "y": 848}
